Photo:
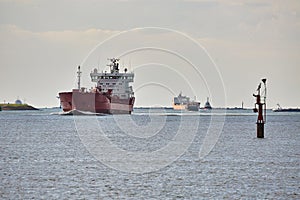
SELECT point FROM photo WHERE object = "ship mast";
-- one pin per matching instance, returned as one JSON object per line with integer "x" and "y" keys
{"x": 114, "y": 65}
{"x": 78, "y": 77}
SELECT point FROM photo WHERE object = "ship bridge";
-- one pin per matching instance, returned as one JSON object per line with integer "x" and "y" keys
{"x": 118, "y": 83}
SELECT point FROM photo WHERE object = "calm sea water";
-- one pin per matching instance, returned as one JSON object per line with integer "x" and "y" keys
{"x": 44, "y": 155}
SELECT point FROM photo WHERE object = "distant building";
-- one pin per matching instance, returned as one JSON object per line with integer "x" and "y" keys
{"x": 18, "y": 101}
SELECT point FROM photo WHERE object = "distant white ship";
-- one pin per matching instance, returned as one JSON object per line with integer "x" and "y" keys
{"x": 279, "y": 109}
{"x": 183, "y": 103}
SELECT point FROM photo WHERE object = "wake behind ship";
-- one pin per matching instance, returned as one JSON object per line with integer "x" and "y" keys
{"x": 112, "y": 94}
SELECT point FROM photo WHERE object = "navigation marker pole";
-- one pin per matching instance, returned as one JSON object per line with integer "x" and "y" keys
{"x": 261, "y": 103}
{"x": 78, "y": 76}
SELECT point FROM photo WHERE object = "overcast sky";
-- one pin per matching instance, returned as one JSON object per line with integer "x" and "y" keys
{"x": 237, "y": 44}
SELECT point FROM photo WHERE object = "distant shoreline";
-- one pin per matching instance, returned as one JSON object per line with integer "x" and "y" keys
{"x": 17, "y": 107}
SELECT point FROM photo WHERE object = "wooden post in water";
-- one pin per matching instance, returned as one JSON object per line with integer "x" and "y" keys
{"x": 261, "y": 103}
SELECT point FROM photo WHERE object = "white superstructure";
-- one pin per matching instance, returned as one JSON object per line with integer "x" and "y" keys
{"x": 114, "y": 81}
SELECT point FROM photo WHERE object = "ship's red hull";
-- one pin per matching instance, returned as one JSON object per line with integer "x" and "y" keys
{"x": 95, "y": 102}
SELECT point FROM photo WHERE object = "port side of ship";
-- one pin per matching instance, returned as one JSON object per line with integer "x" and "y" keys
{"x": 111, "y": 95}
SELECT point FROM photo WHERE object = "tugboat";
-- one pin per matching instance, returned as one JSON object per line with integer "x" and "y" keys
{"x": 207, "y": 105}
{"x": 111, "y": 95}
{"x": 183, "y": 103}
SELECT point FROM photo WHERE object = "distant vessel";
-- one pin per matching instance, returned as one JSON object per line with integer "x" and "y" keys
{"x": 279, "y": 109}
{"x": 193, "y": 106}
{"x": 112, "y": 94}
{"x": 207, "y": 105}
{"x": 237, "y": 108}
{"x": 183, "y": 103}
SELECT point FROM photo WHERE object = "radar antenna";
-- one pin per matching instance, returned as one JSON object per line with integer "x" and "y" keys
{"x": 114, "y": 65}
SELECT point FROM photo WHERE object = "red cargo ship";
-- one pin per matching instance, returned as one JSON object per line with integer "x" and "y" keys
{"x": 112, "y": 94}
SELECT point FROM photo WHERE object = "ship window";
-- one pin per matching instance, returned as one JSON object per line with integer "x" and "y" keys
{"x": 107, "y": 83}
{"x": 114, "y": 83}
{"x": 101, "y": 83}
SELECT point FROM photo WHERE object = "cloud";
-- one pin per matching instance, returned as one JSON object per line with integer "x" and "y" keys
{"x": 37, "y": 65}
{"x": 88, "y": 35}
